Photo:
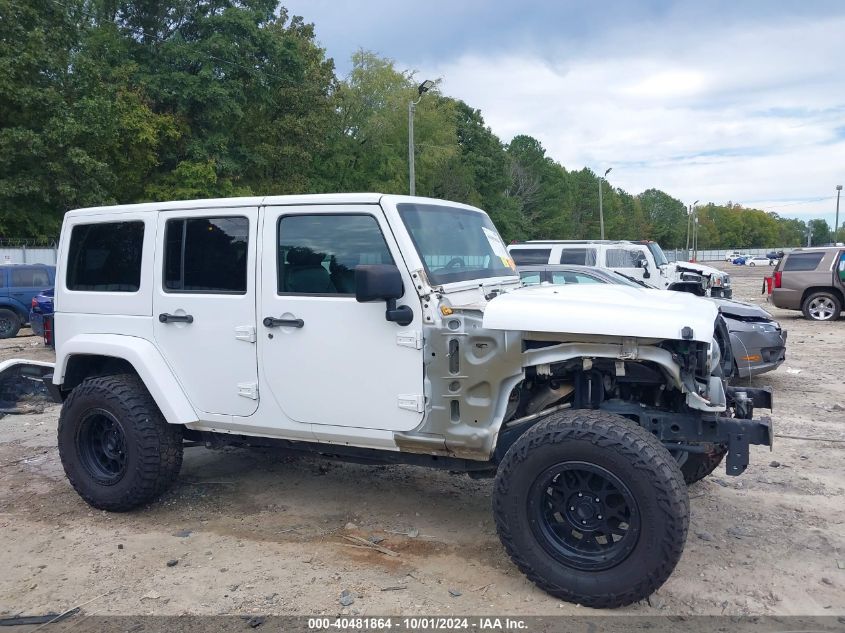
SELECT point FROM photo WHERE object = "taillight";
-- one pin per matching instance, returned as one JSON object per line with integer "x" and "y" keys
{"x": 48, "y": 331}
{"x": 778, "y": 276}
{"x": 34, "y": 303}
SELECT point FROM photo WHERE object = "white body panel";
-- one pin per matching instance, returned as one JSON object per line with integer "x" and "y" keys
{"x": 348, "y": 376}
{"x": 602, "y": 309}
{"x": 206, "y": 357}
{"x": 346, "y": 357}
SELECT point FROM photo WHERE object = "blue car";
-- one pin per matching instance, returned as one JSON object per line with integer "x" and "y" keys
{"x": 739, "y": 261}
{"x": 41, "y": 315}
{"x": 19, "y": 283}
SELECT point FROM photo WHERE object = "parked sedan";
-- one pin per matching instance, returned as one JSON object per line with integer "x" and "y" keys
{"x": 759, "y": 260}
{"x": 758, "y": 342}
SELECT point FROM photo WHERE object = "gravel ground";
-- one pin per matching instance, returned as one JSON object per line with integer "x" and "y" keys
{"x": 248, "y": 532}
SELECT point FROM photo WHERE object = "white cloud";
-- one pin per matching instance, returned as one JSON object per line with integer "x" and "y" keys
{"x": 754, "y": 114}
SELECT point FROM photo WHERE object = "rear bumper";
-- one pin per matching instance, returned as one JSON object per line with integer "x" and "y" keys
{"x": 758, "y": 352}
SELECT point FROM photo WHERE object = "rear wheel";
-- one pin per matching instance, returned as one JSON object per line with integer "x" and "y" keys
{"x": 592, "y": 508}
{"x": 10, "y": 323}
{"x": 822, "y": 306}
{"x": 117, "y": 449}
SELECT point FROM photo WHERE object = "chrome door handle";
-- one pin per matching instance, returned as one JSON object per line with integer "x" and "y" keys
{"x": 274, "y": 322}
{"x": 175, "y": 318}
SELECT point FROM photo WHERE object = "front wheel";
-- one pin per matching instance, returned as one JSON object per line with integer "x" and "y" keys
{"x": 822, "y": 306}
{"x": 592, "y": 508}
{"x": 117, "y": 449}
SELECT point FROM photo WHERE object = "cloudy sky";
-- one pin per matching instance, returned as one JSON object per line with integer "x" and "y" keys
{"x": 717, "y": 100}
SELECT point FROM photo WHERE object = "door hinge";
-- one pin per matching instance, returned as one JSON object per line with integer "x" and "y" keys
{"x": 411, "y": 338}
{"x": 245, "y": 333}
{"x": 248, "y": 390}
{"x": 411, "y": 402}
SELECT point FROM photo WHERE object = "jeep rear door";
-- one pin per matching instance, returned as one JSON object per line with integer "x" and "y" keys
{"x": 326, "y": 359}
{"x": 204, "y": 305}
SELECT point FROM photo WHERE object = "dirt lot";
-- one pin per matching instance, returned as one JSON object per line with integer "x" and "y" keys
{"x": 253, "y": 533}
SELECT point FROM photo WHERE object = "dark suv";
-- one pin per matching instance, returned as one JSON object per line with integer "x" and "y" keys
{"x": 18, "y": 284}
{"x": 811, "y": 280}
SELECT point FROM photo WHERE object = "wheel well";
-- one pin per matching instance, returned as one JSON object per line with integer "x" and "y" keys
{"x": 829, "y": 289}
{"x": 82, "y": 366}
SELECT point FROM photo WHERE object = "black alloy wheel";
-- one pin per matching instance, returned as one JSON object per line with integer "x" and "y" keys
{"x": 101, "y": 445}
{"x": 586, "y": 517}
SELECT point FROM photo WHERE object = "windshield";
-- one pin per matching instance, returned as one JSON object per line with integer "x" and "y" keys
{"x": 456, "y": 244}
{"x": 657, "y": 252}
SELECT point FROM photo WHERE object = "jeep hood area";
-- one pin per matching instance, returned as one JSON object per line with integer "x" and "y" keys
{"x": 604, "y": 310}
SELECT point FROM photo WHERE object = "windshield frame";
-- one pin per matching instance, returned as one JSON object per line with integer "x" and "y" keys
{"x": 660, "y": 258}
{"x": 476, "y": 276}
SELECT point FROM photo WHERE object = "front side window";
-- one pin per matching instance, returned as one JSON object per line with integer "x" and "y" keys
{"x": 456, "y": 244}
{"x": 573, "y": 278}
{"x": 578, "y": 256}
{"x": 318, "y": 254}
{"x": 622, "y": 258}
{"x": 105, "y": 257}
{"x": 206, "y": 255}
{"x": 530, "y": 278}
{"x": 530, "y": 256}
{"x": 802, "y": 262}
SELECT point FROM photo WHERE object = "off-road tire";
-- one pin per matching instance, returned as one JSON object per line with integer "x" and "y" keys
{"x": 829, "y": 298}
{"x": 10, "y": 323}
{"x": 627, "y": 451}
{"x": 153, "y": 448}
{"x": 699, "y": 465}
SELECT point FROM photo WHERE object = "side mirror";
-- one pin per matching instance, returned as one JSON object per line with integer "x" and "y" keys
{"x": 382, "y": 282}
{"x": 643, "y": 263}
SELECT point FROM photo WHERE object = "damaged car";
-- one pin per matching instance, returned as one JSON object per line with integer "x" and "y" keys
{"x": 758, "y": 341}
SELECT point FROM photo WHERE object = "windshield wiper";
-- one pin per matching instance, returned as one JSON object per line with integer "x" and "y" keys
{"x": 639, "y": 282}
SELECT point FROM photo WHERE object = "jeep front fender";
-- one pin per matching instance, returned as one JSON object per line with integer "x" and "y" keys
{"x": 144, "y": 358}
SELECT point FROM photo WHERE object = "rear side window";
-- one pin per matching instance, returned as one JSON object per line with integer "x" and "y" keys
{"x": 578, "y": 256}
{"x": 802, "y": 261}
{"x": 105, "y": 257}
{"x": 30, "y": 278}
{"x": 528, "y": 256}
{"x": 206, "y": 255}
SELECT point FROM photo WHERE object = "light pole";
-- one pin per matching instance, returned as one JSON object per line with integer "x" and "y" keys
{"x": 424, "y": 87}
{"x": 836, "y": 222}
{"x": 601, "y": 209}
{"x": 693, "y": 218}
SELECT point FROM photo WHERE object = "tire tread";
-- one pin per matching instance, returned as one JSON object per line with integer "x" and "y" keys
{"x": 644, "y": 451}
{"x": 159, "y": 443}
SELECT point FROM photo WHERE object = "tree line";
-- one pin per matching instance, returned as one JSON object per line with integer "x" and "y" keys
{"x": 121, "y": 101}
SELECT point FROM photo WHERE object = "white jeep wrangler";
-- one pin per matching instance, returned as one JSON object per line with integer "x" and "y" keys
{"x": 394, "y": 329}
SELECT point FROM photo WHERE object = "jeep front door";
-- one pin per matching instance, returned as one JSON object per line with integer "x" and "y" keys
{"x": 325, "y": 358}
{"x": 204, "y": 306}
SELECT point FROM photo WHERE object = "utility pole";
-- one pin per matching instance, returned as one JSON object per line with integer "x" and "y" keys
{"x": 412, "y": 108}
{"x": 836, "y": 222}
{"x": 601, "y": 209}
{"x": 694, "y": 220}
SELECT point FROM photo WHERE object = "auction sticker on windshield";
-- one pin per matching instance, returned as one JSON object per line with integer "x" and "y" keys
{"x": 499, "y": 248}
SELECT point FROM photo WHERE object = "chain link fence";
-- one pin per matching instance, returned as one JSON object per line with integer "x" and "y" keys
{"x": 682, "y": 255}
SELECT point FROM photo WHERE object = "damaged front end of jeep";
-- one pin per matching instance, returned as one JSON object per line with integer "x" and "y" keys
{"x": 487, "y": 385}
